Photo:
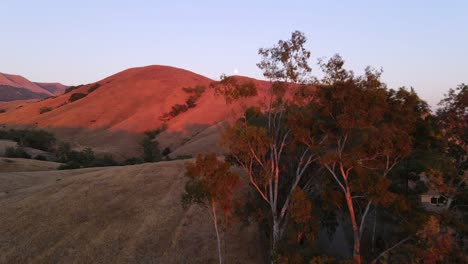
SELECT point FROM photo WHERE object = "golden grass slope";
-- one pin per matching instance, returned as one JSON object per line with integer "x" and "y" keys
{"x": 128, "y": 214}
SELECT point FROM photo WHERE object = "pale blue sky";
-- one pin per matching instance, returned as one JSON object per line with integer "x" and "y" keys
{"x": 423, "y": 44}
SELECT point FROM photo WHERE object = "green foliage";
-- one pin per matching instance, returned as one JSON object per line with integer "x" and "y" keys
{"x": 16, "y": 152}
{"x": 76, "y": 96}
{"x": 232, "y": 89}
{"x": 71, "y": 165}
{"x": 151, "y": 134}
{"x": 177, "y": 109}
{"x": 166, "y": 151}
{"x": 133, "y": 161}
{"x": 151, "y": 152}
{"x": 182, "y": 157}
{"x": 104, "y": 161}
{"x": 38, "y": 139}
{"x": 86, "y": 158}
{"x": 94, "y": 87}
{"x": 196, "y": 92}
{"x": 45, "y": 109}
{"x": 41, "y": 157}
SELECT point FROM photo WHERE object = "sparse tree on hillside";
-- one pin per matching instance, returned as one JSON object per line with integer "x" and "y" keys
{"x": 151, "y": 152}
{"x": 212, "y": 184}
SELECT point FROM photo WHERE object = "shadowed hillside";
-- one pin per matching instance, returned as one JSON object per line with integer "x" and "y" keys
{"x": 15, "y": 87}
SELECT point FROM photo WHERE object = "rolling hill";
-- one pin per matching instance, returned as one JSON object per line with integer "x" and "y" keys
{"x": 111, "y": 114}
{"x": 15, "y": 87}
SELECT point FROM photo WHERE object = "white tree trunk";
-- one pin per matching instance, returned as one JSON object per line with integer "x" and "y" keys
{"x": 215, "y": 221}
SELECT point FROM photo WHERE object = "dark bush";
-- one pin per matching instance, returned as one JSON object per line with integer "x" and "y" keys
{"x": 81, "y": 159}
{"x": 177, "y": 109}
{"x": 76, "y": 96}
{"x": 38, "y": 139}
{"x": 94, "y": 87}
{"x": 71, "y": 88}
{"x": 151, "y": 134}
{"x": 151, "y": 152}
{"x": 182, "y": 157}
{"x": 70, "y": 166}
{"x": 191, "y": 101}
{"x": 40, "y": 157}
{"x": 133, "y": 161}
{"x": 45, "y": 109}
{"x": 2, "y": 111}
{"x": 166, "y": 151}
{"x": 104, "y": 161}
{"x": 16, "y": 152}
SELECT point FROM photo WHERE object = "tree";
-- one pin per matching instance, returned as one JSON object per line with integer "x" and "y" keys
{"x": 212, "y": 184}
{"x": 366, "y": 130}
{"x": 151, "y": 152}
{"x": 264, "y": 142}
{"x": 453, "y": 121}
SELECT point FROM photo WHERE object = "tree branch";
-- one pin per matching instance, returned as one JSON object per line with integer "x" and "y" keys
{"x": 390, "y": 249}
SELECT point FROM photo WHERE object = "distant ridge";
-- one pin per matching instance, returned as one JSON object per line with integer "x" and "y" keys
{"x": 16, "y": 87}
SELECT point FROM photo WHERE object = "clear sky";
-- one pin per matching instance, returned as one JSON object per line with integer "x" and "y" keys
{"x": 423, "y": 44}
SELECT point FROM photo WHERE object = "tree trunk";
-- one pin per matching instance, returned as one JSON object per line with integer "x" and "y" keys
{"x": 215, "y": 221}
{"x": 275, "y": 237}
{"x": 357, "y": 240}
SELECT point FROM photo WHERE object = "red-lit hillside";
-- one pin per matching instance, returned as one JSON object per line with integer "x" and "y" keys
{"x": 130, "y": 102}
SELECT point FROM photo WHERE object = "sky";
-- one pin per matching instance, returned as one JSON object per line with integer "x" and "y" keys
{"x": 419, "y": 44}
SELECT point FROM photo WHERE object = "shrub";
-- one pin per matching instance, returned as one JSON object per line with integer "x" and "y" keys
{"x": 71, "y": 88}
{"x": 76, "y": 96}
{"x": 38, "y": 139}
{"x": 133, "y": 161}
{"x": 16, "y": 152}
{"x": 94, "y": 87}
{"x": 40, "y": 157}
{"x": 104, "y": 161}
{"x": 151, "y": 152}
{"x": 81, "y": 159}
{"x": 2, "y": 111}
{"x": 151, "y": 134}
{"x": 180, "y": 157}
{"x": 69, "y": 166}
{"x": 166, "y": 151}
{"x": 45, "y": 109}
{"x": 177, "y": 109}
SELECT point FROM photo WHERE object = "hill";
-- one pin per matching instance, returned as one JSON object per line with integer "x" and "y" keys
{"x": 15, "y": 164}
{"x": 111, "y": 114}
{"x": 15, "y": 87}
{"x": 130, "y": 214}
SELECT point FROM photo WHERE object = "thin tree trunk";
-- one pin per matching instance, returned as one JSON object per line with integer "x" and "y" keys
{"x": 357, "y": 240}
{"x": 373, "y": 230}
{"x": 215, "y": 221}
{"x": 275, "y": 237}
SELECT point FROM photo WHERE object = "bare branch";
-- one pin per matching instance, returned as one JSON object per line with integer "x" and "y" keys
{"x": 363, "y": 218}
{"x": 334, "y": 176}
{"x": 390, "y": 249}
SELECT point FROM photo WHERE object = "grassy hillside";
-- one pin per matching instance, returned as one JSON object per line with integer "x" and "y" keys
{"x": 128, "y": 214}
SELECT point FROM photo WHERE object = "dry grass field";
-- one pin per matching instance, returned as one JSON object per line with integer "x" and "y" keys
{"x": 15, "y": 164}
{"x": 129, "y": 214}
